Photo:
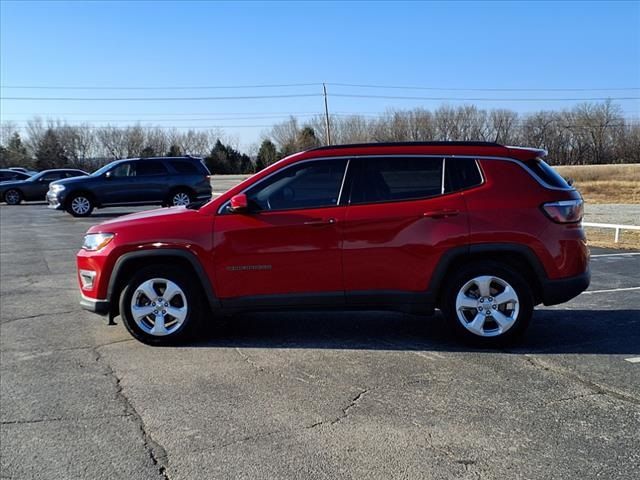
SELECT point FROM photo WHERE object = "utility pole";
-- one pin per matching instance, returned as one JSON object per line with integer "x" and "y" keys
{"x": 326, "y": 114}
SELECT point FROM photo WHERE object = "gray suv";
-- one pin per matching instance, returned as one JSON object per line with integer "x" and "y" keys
{"x": 133, "y": 181}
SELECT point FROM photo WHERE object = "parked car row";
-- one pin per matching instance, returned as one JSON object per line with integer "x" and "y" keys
{"x": 136, "y": 181}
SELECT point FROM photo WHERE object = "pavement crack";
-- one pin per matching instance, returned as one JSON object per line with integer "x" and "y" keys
{"x": 345, "y": 411}
{"x": 60, "y": 419}
{"x": 156, "y": 452}
{"x": 260, "y": 369}
{"x": 596, "y": 388}
{"x": 29, "y": 317}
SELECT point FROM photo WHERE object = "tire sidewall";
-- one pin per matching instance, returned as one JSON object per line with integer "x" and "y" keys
{"x": 6, "y": 196}
{"x": 70, "y": 203}
{"x": 522, "y": 288}
{"x": 190, "y": 290}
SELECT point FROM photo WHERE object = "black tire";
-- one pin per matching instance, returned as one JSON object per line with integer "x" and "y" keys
{"x": 80, "y": 205}
{"x": 190, "y": 296}
{"x": 13, "y": 196}
{"x": 177, "y": 197}
{"x": 489, "y": 337}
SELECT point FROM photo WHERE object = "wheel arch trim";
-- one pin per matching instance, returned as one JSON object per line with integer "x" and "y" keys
{"x": 199, "y": 270}
{"x": 443, "y": 267}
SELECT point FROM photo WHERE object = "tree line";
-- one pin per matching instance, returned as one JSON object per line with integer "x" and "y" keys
{"x": 589, "y": 133}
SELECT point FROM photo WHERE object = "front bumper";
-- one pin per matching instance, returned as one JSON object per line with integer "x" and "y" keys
{"x": 53, "y": 201}
{"x": 564, "y": 289}
{"x": 101, "y": 307}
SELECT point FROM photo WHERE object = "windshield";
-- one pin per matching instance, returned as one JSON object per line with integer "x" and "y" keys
{"x": 34, "y": 178}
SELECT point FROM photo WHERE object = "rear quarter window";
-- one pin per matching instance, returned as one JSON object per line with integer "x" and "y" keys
{"x": 460, "y": 174}
{"x": 546, "y": 173}
{"x": 185, "y": 167}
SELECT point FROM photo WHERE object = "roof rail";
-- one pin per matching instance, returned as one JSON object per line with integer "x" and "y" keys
{"x": 410, "y": 144}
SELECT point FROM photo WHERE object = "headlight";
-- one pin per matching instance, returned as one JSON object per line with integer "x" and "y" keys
{"x": 96, "y": 241}
{"x": 55, "y": 188}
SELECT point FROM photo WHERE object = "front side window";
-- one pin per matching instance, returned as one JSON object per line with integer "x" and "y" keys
{"x": 312, "y": 184}
{"x": 391, "y": 179}
{"x": 123, "y": 170}
{"x": 51, "y": 177}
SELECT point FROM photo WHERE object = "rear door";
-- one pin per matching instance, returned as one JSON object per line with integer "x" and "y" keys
{"x": 288, "y": 244}
{"x": 152, "y": 179}
{"x": 397, "y": 226}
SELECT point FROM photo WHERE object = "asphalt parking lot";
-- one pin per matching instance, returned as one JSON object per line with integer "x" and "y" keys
{"x": 308, "y": 395}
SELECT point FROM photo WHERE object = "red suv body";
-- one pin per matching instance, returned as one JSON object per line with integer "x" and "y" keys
{"x": 481, "y": 231}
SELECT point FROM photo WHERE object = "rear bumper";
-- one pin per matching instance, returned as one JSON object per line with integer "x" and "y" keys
{"x": 563, "y": 290}
{"x": 101, "y": 307}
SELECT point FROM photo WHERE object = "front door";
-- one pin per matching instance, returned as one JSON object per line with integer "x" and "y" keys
{"x": 288, "y": 245}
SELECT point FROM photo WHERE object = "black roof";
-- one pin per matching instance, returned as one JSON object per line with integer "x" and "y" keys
{"x": 410, "y": 144}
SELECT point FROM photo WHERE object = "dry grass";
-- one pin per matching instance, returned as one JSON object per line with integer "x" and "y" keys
{"x": 605, "y": 183}
{"x": 600, "y": 237}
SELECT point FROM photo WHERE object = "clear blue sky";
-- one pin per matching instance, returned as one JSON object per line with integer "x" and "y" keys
{"x": 455, "y": 45}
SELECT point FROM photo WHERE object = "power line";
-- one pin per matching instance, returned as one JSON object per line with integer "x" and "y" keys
{"x": 344, "y": 95}
{"x": 290, "y": 85}
{"x": 209, "y": 87}
{"x": 484, "y": 89}
{"x": 159, "y": 99}
{"x": 470, "y": 99}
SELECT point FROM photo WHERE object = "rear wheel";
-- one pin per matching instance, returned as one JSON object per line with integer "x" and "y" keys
{"x": 161, "y": 305}
{"x": 180, "y": 198}
{"x": 488, "y": 303}
{"x": 13, "y": 197}
{"x": 80, "y": 205}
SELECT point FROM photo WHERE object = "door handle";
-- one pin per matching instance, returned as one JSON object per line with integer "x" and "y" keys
{"x": 320, "y": 222}
{"x": 441, "y": 214}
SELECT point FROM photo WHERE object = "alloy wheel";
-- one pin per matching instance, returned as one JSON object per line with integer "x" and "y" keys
{"x": 487, "y": 306}
{"x": 181, "y": 199}
{"x": 159, "y": 307}
{"x": 12, "y": 197}
{"x": 80, "y": 205}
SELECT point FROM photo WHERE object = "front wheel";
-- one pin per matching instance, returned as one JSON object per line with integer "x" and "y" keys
{"x": 488, "y": 303}
{"x": 161, "y": 305}
{"x": 13, "y": 197}
{"x": 80, "y": 206}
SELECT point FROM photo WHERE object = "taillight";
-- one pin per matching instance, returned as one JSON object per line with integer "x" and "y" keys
{"x": 564, "y": 211}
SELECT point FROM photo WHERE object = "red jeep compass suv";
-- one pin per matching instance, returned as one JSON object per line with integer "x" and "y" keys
{"x": 481, "y": 231}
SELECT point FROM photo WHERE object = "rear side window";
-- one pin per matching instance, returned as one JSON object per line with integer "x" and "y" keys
{"x": 460, "y": 174}
{"x": 145, "y": 168}
{"x": 389, "y": 179}
{"x": 185, "y": 167}
{"x": 545, "y": 173}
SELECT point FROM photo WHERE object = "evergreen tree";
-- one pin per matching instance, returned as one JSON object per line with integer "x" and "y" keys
{"x": 174, "y": 151}
{"x": 307, "y": 139}
{"x": 50, "y": 153}
{"x": 267, "y": 155}
{"x": 15, "y": 153}
{"x": 148, "y": 152}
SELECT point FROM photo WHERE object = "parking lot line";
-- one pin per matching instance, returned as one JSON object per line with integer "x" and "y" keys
{"x": 630, "y": 254}
{"x": 633, "y": 360}
{"x": 611, "y": 290}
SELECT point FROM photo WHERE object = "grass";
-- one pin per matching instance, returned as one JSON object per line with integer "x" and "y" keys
{"x": 600, "y": 237}
{"x": 605, "y": 183}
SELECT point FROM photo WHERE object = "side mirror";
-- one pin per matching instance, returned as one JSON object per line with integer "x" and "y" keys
{"x": 108, "y": 175}
{"x": 239, "y": 203}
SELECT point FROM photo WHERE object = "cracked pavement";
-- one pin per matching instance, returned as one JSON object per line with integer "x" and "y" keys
{"x": 308, "y": 394}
